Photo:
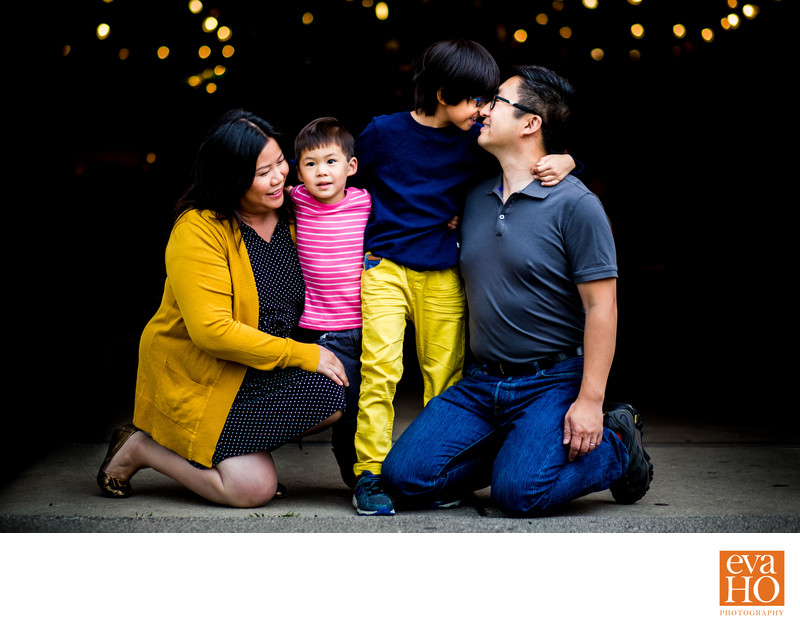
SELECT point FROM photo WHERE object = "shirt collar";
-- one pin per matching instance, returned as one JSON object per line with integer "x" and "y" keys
{"x": 534, "y": 189}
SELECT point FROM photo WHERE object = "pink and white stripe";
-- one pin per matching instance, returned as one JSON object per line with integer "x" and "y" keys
{"x": 330, "y": 246}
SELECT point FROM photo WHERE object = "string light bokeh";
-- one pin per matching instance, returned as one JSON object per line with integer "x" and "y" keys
{"x": 558, "y": 16}
{"x": 192, "y": 50}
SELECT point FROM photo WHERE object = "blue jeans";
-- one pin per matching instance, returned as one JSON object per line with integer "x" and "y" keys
{"x": 346, "y": 345}
{"x": 506, "y": 432}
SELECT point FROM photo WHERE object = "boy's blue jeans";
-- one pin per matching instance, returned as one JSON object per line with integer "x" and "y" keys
{"x": 506, "y": 432}
{"x": 346, "y": 345}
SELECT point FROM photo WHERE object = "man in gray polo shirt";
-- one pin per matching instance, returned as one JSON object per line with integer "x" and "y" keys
{"x": 539, "y": 267}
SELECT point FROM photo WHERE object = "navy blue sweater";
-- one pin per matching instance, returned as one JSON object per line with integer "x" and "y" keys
{"x": 418, "y": 177}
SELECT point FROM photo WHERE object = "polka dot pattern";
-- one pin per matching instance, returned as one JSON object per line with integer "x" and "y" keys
{"x": 272, "y": 407}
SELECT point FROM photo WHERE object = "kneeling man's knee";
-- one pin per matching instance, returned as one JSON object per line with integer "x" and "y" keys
{"x": 401, "y": 477}
{"x": 517, "y": 500}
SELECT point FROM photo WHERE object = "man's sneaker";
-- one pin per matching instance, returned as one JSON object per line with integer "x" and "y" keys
{"x": 369, "y": 498}
{"x": 625, "y": 422}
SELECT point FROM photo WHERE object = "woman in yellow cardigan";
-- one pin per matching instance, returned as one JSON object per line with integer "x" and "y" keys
{"x": 220, "y": 382}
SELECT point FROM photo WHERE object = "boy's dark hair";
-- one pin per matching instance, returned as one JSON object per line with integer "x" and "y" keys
{"x": 548, "y": 94}
{"x": 321, "y": 132}
{"x": 460, "y": 68}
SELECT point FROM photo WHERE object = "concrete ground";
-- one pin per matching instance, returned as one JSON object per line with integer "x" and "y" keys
{"x": 708, "y": 479}
{"x": 167, "y": 559}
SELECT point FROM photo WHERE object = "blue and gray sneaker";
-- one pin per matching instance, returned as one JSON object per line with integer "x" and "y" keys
{"x": 369, "y": 498}
{"x": 626, "y": 422}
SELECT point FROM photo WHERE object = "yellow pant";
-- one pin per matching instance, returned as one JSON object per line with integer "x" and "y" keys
{"x": 390, "y": 295}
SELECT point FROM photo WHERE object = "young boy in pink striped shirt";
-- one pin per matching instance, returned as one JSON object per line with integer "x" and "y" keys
{"x": 331, "y": 219}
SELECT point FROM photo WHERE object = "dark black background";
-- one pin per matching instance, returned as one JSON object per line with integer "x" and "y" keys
{"x": 690, "y": 149}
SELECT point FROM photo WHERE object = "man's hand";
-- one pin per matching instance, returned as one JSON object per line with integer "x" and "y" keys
{"x": 583, "y": 423}
{"x": 583, "y": 427}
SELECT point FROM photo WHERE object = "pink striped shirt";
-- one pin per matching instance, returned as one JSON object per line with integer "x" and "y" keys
{"x": 330, "y": 246}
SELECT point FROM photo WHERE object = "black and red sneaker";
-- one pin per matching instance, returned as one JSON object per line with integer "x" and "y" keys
{"x": 626, "y": 422}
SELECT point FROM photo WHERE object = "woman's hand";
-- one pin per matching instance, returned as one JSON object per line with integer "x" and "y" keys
{"x": 331, "y": 367}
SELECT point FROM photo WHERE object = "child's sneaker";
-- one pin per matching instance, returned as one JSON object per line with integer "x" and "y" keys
{"x": 369, "y": 498}
{"x": 625, "y": 422}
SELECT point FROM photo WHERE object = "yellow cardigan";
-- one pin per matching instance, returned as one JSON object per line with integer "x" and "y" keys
{"x": 195, "y": 351}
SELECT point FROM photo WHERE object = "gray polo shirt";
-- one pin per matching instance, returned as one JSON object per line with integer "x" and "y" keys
{"x": 521, "y": 262}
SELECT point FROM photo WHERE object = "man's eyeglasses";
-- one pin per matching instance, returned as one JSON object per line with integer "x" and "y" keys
{"x": 481, "y": 102}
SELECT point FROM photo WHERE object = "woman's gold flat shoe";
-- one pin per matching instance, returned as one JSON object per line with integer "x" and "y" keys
{"x": 114, "y": 487}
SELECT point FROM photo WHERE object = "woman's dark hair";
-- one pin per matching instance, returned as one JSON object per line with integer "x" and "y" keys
{"x": 460, "y": 68}
{"x": 225, "y": 165}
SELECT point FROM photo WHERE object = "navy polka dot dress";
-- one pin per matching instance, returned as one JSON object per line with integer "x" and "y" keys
{"x": 272, "y": 407}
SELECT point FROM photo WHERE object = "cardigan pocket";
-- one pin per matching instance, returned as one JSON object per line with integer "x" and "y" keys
{"x": 180, "y": 399}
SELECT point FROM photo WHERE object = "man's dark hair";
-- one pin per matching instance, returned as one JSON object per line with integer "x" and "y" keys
{"x": 321, "y": 132}
{"x": 550, "y": 95}
{"x": 460, "y": 68}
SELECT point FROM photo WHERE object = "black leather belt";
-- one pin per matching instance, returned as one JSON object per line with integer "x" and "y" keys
{"x": 515, "y": 369}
